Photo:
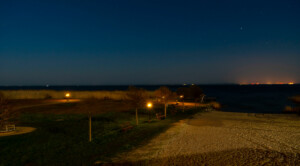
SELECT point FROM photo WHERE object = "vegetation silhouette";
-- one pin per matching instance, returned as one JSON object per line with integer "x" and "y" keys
{"x": 164, "y": 95}
{"x": 192, "y": 93}
{"x": 137, "y": 98}
{"x": 7, "y": 114}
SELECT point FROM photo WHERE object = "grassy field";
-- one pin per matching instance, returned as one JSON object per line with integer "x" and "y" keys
{"x": 61, "y": 137}
{"x": 52, "y": 94}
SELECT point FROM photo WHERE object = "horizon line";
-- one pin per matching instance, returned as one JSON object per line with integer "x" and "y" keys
{"x": 49, "y": 85}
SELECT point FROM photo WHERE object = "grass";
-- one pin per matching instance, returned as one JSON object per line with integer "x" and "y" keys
{"x": 52, "y": 94}
{"x": 62, "y": 139}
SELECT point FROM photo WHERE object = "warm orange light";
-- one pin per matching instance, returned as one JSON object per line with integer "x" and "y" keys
{"x": 67, "y": 95}
{"x": 291, "y": 83}
{"x": 149, "y": 105}
{"x": 181, "y": 96}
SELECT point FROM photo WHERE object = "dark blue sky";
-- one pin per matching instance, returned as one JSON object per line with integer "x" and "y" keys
{"x": 148, "y": 42}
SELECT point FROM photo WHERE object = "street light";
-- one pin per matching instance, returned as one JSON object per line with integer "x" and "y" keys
{"x": 67, "y": 95}
{"x": 149, "y": 105}
{"x": 181, "y": 96}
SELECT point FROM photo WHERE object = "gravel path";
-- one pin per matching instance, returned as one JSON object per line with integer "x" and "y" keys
{"x": 18, "y": 131}
{"x": 223, "y": 138}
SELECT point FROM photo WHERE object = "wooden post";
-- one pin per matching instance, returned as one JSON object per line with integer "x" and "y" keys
{"x": 202, "y": 98}
{"x": 136, "y": 116}
{"x": 90, "y": 128}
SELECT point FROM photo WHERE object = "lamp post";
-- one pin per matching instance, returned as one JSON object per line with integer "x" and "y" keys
{"x": 67, "y": 95}
{"x": 181, "y": 97}
{"x": 149, "y": 105}
{"x": 166, "y": 105}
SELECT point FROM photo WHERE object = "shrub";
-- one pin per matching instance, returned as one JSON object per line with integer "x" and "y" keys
{"x": 165, "y": 95}
{"x": 137, "y": 98}
{"x": 7, "y": 114}
{"x": 48, "y": 96}
{"x": 215, "y": 105}
{"x": 191, "y": 93}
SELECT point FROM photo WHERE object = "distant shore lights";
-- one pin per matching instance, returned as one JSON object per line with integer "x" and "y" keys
{"x": 269, "y": 83}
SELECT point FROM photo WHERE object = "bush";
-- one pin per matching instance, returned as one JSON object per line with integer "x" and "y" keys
{"x": 48, "y": 96}
{"x": 215, "y": 105}
{"x": 192, "y": 92}
{"x": 7, "y": 115}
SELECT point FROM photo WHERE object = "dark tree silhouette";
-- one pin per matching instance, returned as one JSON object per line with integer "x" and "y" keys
{"x": 165, "y": 94}
{"x": 196, "y": 93}
{"x": 137, "y": 98}
{"x": 184, "y": 91}
{"x": 192, "y": 92}
{"x": 7, "y": 114}
{"x": 296, "y": 100}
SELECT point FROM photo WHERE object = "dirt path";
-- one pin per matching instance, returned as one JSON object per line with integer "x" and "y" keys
{"x": 223, "y": 138}
{"x": 47, "y": 102}
{"x": 18, "y": 131}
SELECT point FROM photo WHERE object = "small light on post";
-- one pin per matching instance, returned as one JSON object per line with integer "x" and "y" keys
{"x": 181, "y": 97}
{"x": 149, "y": 105}
{"x": 67, "y": 95}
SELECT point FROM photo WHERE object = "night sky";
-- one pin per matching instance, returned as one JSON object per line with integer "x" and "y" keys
{"x": 120, "y": 42}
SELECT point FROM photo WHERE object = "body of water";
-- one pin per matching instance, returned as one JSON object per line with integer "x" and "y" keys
{"x": 234, "y": 98}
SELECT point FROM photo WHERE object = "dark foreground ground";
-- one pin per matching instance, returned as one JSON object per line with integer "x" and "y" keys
{"x": 61, "y": 135}
{"x": 195, "y": 137}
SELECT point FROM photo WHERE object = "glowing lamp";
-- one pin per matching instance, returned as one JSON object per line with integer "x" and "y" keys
{"x": 181, "y": 96}
{"x": 149, "y": 105}
{"x": 67, "y": 95}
